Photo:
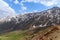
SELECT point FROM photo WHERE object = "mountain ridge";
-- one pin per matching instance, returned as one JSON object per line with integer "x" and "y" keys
{"x": 27, "y": 21}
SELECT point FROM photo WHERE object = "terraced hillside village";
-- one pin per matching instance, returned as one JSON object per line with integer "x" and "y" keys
{"x": 43, "y": 25}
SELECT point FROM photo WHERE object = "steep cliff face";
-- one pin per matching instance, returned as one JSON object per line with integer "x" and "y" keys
{"x": 39, "y": 19}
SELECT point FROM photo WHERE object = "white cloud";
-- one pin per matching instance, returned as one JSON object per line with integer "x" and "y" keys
{"x": 35, "y": 11}
{"x": 19, "y": 3}
{"x": 5, "y": 9}
{"x": 22, "y": 5}
{"x": 50, "y": 2}
{"x": 16, "y": 2}
{"x": 44, "y": 2}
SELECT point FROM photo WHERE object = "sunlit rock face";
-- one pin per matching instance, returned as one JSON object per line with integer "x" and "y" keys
{"x": 38, "y": 19}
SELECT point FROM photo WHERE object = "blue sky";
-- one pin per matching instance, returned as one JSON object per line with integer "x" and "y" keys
{"x": 12, "y": 7}
{"x": 30, "y": 6}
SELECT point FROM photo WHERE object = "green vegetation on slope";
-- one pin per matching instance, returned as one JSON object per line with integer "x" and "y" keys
{"x": 16, "y": 35}
{"x": 20, "y": 35}
{"x": 29, "y": 34}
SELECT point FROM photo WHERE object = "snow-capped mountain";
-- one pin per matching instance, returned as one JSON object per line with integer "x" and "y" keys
{"x": 39, "y": 19}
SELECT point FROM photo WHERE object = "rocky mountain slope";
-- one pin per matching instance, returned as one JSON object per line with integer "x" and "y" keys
{"x": 31, "y": 20}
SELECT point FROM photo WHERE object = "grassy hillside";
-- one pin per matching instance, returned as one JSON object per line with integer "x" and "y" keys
{"x": 33, "y": 34}
{"x": 16, "y": 35}
{"x": 19, "y": 35}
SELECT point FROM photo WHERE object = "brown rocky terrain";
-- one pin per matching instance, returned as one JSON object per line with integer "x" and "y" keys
{"x": 50, "y": 33}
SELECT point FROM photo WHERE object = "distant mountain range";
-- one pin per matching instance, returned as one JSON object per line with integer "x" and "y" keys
{"x": 31, "y": 20}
